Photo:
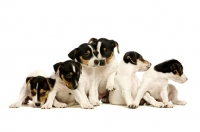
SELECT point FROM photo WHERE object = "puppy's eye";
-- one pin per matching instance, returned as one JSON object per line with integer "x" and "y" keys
{"x": 33, "y": 93}
{"x": 86, "y": 54}
{"x": 175, "y": 71}
{"x": 106, "y": 51}
{"x": 42, "y": 94}
{"x": 68, "y": 76}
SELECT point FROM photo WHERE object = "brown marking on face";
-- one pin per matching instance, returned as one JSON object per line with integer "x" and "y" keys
{"x": 88, "y": 51}
{"x": 78, "y": 73}
{"x": 83, "y": 60}
{"x": 50, "y": 86}
{"x": 68, "y": 84}
{"x": 44, "y": 97}
{"x": 104, "y": 49}
{"x": 109, "y": 58}
{"x": 71, "y": 73}
{"x": 33, "y": 92}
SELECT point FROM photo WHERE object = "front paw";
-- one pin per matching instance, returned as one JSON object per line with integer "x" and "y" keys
{"x": 87, "y": 106}
{"x": 94, "y": 102}
{"x": 168, "y": 105}
{"x": 159, "y": 104}
{"x": 60, "y": 105}
{"x": 46, "y": 106}
{"x": 15, "y": 105}
{"x": 110, "y": 87}
{"x": 179, "y": 102}
{"x": 132, "y": 106}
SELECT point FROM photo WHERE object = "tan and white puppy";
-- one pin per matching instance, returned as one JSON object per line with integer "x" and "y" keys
{"x": 36, "y": 87}
{"x": 85, "y": 55}
{"x": 155, "y": 82}
{"x": 106, "y": 70}
{"x": 67, "y": 76}
{"x": 126, "y": 81}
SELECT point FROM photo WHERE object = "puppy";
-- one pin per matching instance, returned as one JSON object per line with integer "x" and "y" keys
{"x": 67, "y": 76}
{"x": 155, "y": 82}
{"x": 36, "y": 88}
{"x": 106, "y": 70}
{"x": 126, "y": 81}
{"x": 85, "y": 55}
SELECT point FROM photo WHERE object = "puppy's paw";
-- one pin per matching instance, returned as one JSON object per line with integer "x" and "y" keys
{"x": 105, "y": 100}
{"x": 110, "y": 87}
{"x": 132, "y": 106}
{"x": 87, "y": 106}
{"x": 180, "y": 102}
{"x": 168, "y": 105}
{"x": 94, "y": 102}
{"x": 159, "y": 104}
{"x": 15, "y": 105}
{"x": 60, "y": 105}
{"x": 46, "y": 106}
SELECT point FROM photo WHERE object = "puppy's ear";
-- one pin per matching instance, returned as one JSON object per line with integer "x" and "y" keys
{"x": 72, "y": 54}
{"x": 79, "y": 65}
{"x": 115, "y": 44}
{"x": 28, "y": 79}
{"x": 57, "y": 66}
{"x": 93, "y": 40}
{"x": 130, "y": 57}
{"x": 51, "y": 82}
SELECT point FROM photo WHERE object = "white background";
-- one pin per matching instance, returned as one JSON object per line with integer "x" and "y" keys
{"x": 37, "y": 34}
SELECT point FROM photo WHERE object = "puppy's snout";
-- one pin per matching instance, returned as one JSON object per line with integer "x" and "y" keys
{"x": 75, "y": 87}
{"x": 37, "y": 104}
{"x": 102, "y": 62}
{"x": 96, "y": 62}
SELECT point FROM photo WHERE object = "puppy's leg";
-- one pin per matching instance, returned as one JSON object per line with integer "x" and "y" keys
{"x": 78, "y": 97}
{"x": 93, "y": 92}
{"x": 50, "y": 99}
{"x": 23, "y": 94}
{"x": 172, "y": 95}
{"x": 164, "y": 96}
{"x": 152, "y": 101}
{"x": 59, "y": 104}
{"x": 110, "y": 86}
{"x": 128, "y": 98}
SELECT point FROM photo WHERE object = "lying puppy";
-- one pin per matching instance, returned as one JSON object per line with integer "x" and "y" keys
{"x": 126, "y": 81}
{"x": 106, "y": 70}
{"x": 84, "y": 54}
{"x": 155, "y": 82}
{"x": 36, "y": 88}
{"x": 67, "y": 76}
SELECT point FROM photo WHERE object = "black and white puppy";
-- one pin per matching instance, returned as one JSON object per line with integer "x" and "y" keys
{"x": 85, "y": 55}
{"x": 126, "y": 81}
{"x": 36, "y": 87}
{"x": 67, "y": 76}
{"x": 155, "y": 82}
{"x": 106, "y": 70}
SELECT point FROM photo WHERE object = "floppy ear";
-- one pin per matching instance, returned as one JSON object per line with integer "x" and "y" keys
{"x": 57, "y": 66}
{"x": 92, "y": 40}
{"x": 115, "y": 44}
{"x": 128, "y": 57}
{"x": 28, "y": 79}
{"x": 72, "y": 54}
{"x": 80, "y": 66}
{"x": 51, "y": 82}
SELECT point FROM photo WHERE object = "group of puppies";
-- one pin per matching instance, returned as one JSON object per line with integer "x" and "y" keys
{"x": 93, "y": 74}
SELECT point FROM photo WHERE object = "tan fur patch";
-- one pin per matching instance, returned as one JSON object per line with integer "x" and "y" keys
{"x": 88, "y": 51}
{"x": 50, "y": 86}
{"x": 69, "y": 85}
{"x": 109, "y": 58}
{"x": 43, "y": 98}
{"x": 83, "y": 60}
{"x": 71, "y": 73}
{"x": 33, "y": 91}
{"x": 104, "y": 49}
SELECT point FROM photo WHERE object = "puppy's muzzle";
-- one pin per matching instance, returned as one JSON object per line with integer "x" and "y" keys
{"x": 37, "y": 104}
{"x": 102, "y": 62}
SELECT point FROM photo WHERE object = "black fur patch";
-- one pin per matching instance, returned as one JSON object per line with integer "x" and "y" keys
{"x": 132, "y": 57}
{"x": 172, "y": 65}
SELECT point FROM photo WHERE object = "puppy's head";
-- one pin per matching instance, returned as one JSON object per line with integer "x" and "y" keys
{"x": 105, "y": 49}
{"x": 40, "y": 88}
{"x": 172, "y": 69}
{"x": 136, "y": 60}
{"x": 69, "y": 72}
{"x": 84, "y": 54}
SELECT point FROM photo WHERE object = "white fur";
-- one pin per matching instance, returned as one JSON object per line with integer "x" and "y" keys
{"x": 25, "y": 90}
{"x": 156, "y": 83}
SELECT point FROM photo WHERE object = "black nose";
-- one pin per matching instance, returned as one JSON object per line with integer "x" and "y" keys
{"x": 37, "y": 104}
{"x": 75, "y": 87}
{"x": 102, "y": 62}
{"x": 96, "y": 62}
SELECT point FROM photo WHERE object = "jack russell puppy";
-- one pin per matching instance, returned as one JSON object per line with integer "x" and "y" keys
{"x": 106, "y": 70}
{"x": 155, "y": 82}
{"x": 127, "y": 83}
{"x": 65, "y": 90}
{"x": 85, "y": 55}
{"x": 36, "y": 88}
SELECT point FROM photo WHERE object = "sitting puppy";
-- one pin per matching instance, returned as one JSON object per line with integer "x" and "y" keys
{"x": 84, "y": 54}
{"x": 36, "y": 88}
{"x": 106, "y": 70}
{"x": 67, "y": 76}
{"x": 126, "y": 81}
{"x": 155, "y": 82}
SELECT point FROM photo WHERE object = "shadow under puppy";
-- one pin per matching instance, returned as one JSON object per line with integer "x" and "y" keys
{"x": 85, "y": 55}
{"x": 67, "y": 76}
{"x": 36, "y": 88}
{"x": 127, "y": 83}
{"x": 155, "y": 82}
{"x": 106, "y": 70}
